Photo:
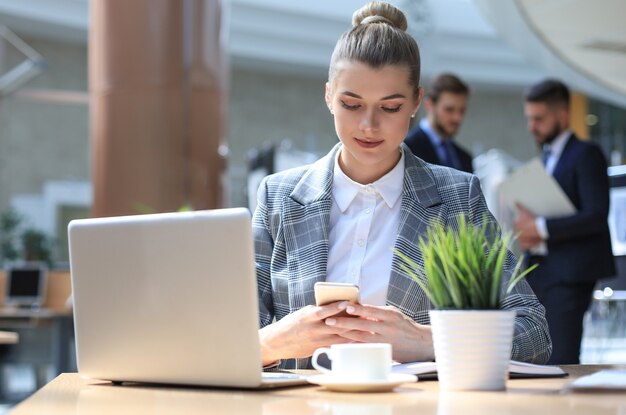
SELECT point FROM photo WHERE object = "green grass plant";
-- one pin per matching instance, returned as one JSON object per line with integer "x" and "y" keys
{"x": 464, "y": 267}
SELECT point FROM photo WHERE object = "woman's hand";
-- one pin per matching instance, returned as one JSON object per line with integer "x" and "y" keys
{"x": 410, "y": 341}
{"x": 298, "y": 334}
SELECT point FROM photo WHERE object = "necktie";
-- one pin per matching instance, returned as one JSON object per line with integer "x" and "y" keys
{"x": 546, "y": 154}
{"x": 448, "y": 158}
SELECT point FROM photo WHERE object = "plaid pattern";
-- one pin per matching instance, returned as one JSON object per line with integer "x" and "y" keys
{"x": 291, "y": 225}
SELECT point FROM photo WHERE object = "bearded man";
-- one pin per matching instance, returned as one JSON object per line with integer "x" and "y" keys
{"x": 573, "y": 252}
{"x": 433, "y": 139}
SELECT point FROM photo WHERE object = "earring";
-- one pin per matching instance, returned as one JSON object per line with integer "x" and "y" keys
{"x": 412, "y": 115}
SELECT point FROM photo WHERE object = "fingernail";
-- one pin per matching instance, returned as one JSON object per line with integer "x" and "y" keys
{"x": 331, "y": 321}
{"x": 342, "y": 305}
{"x": 350, "y": 309}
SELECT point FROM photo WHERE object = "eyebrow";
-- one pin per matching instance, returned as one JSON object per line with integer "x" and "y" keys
{"x": 392, "y": 96}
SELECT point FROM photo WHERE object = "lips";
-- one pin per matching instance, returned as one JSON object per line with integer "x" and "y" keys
{"x": 368, "y": 143}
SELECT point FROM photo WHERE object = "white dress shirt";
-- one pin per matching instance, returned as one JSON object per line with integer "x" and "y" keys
{"x": 364, "y": 222}
{"x": 438, "y": 143}
{"x": 556, "y": 149}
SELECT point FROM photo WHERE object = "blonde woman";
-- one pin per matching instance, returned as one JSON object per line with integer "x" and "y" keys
{"x": 340, "y": 218}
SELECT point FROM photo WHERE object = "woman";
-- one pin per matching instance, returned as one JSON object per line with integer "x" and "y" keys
{"x": 340, "y": 218}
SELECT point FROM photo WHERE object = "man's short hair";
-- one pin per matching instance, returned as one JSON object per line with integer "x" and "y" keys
{"x": 446, "y": 82}
{"x": 549, "y": 91}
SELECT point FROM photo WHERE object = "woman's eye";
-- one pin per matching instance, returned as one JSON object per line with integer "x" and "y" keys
{"x": 394, "y": 109}
{"x": 349, "y": 107}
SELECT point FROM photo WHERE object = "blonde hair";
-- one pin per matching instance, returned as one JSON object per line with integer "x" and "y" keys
{"x": 378, "y": 38}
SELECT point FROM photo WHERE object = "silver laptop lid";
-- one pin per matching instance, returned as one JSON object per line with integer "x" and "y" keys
{"x": 166, "y": 298}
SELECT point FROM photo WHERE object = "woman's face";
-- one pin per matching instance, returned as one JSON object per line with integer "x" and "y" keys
{"x": 372, "y": 109}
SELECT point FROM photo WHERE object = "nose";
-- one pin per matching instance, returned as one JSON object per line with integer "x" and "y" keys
{"x": 457, "y": 117}
{"x": 369, "y": 121}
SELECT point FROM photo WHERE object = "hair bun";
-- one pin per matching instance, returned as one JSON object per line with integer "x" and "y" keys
{"x": 380, "y": 12}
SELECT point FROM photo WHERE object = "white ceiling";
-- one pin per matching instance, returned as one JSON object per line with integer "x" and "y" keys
{"x": 300, "y": 36}
{"x": 580, "y": 41}
{"x": 491, "y": 43}
{"x": 589, "y": 35}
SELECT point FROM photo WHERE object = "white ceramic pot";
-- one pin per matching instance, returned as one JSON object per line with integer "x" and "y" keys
{"x": 472, "y": 348}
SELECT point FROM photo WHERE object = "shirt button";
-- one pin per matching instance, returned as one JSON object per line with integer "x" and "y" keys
{"x": 361, "y": 242}
{"x": 368, "y": 211}
{"x": 354, "y": 274}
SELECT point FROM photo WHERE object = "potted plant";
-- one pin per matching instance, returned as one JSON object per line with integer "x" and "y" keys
{"x": 37, "y": 247}
{"x": 9, "y": 223}
{"x": 463, "y": 274}
{"x": 23, "y": 244}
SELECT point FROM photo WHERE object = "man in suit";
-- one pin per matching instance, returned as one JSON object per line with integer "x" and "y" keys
{"x": 432, "y": 140}
{"x": 573, "y": 252}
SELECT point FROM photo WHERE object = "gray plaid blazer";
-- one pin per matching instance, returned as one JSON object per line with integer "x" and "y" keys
{"x": 291, "y": 226}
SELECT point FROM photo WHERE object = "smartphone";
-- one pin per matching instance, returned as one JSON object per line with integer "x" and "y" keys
{"x": 330, "y": 292}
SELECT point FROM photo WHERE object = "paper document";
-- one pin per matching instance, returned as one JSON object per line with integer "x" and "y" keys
{"x": 516, "y": 369}
{"x": 609, "y": 379}
{"x": 533, "y": 187}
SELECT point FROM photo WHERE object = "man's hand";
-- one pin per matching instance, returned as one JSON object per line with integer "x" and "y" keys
{"x": 526, "y": 228}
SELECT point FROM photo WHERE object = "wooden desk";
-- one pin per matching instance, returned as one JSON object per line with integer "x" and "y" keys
{"x": 58, "y": 289}
{"x": 69, "y": 394}
{"x": 8, "y": 337}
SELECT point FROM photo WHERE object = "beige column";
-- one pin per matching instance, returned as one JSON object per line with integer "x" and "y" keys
{"x": 578, "y": 115}
{"x": 156, "y": 107}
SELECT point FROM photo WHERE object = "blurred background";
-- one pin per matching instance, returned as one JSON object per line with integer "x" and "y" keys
{"x": 111, "y": 107}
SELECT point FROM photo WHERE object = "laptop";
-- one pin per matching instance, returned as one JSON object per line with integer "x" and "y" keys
{"x": 169, "y": 298}
{"x": 25, "y": 285}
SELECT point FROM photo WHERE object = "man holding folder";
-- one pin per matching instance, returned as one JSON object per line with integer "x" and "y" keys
{"x": 573, "y": 251}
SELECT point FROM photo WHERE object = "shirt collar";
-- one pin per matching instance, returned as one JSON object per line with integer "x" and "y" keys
{"x": 558, "y": 144}
{"x": 434, "y": 137}
{"x": 389, "y": 187}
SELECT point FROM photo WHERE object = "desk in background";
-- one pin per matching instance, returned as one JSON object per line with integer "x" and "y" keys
{"x": 69, "y": 393}
{"x": 45, "y": 334}
{"x": 58, "y": 290}
{"x": 8, "y": 337}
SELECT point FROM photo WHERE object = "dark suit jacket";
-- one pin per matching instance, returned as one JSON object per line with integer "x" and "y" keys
{"x": 579, "y": 245}
{"x": 422, "y": 147}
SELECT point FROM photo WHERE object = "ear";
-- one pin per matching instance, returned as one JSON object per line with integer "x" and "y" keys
{"x": 328, "y": 98}
{"x": 563, "y": 115}
{"x": 418, "y": 101}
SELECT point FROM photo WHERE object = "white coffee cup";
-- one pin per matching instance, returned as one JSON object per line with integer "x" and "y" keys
{"x": 356, "y": 361}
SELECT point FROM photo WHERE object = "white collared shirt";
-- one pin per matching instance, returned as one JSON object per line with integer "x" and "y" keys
{"x": 556, "y": 149}
{"x": 438, "y": 142}
{"x": 364, "y": 222}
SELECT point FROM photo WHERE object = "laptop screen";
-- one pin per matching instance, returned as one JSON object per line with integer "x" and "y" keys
{"x": 25, "y": 285}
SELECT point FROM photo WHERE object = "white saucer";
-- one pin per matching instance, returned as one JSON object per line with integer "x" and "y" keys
{"x": 341, "y": 385}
